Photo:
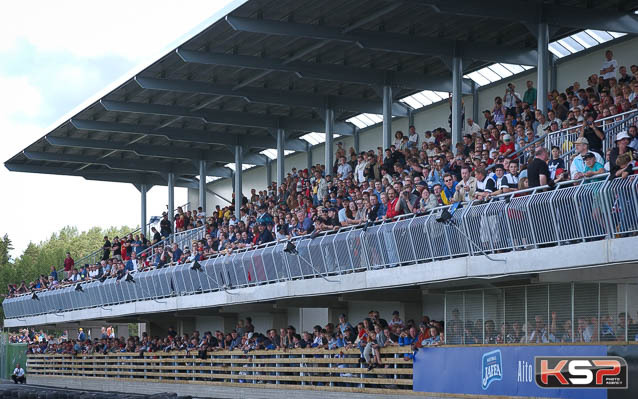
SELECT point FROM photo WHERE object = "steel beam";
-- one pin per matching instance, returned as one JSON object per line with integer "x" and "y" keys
{"x": 268, "y": 96}
{"x": 232, "y": 118}
{"x": 564, "y": 16}
{"x": 238, "y": 183}
{"x": 268, "y": 172}
{"x": 202, "y": 184}
{"x": 143, "y": 219}
{"x": 475, "y": 103}
{"x": 457, "y": 110}
{"x": 186, "y": 135}
{"x": 281, "y": 144}
{"x": 543, "y": 64}
{"x": 171, "y": 199}
{"x": 125, "y": 164}
{"x": 389, "y": 42}
{"x": 329, "y": 144}
{"x": 102, "y": 175}
{"x": 331, "y": 72}
{"x": 309, "y": 157}
{"x": 387, "y": 117}
{"x": 161, "y": 151}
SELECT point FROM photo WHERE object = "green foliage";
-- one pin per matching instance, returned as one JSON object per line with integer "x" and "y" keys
{"x": 38, "y": 258}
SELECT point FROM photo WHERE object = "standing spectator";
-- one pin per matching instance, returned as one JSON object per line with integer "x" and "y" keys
{"x": 106, "y": 248}
{"x": 165, "y": 226}
{"x": 529, "y": 96}
{"x": 510, "y": 99}
{"x": 472, "y": 128}
{"x": 68, "y": 264}
{"x": 593, "y": 134}
{"x": 609, "y": 67}
{"x": 81, "y": 335}
{"x": 538, "y": 173}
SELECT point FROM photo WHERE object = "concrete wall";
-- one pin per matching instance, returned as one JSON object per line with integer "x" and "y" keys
{"x": 574, "y": 69}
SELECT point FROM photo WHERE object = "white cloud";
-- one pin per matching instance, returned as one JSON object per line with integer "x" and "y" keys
{"x": 55, "y": 56}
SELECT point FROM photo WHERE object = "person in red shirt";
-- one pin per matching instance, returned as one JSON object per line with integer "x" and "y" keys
{"x": 68, "y": 264}
{"x": 394, "y": 208}
{"x": 507, "y": 148}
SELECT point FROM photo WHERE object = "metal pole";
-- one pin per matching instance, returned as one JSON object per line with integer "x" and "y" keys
{"x": 543, "y": 63}
{"x": 202, "y": 184}
{"x": 553, "y": 79}
{"x": 387, "y": 116}
{"x": 143, "y": 191}
{"x": 329, "y": 146}
{"x": 355, "y": 138}
{"x": 410, "y": 117}
{"x": 238, "y": 187}
{"x": 475, "y": 102}
{"x": 457, "y": 122}
{"x": 268, "y": 172}
{"x": 309, "y": 157}
{"x": 171, "y": 198}
{"x": 281, "y": 142}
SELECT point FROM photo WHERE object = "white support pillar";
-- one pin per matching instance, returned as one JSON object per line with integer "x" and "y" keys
{"x": 143, "y": 219}
{"x": 202, "y": 184}
{"x": 281, "y": 142}
{"x": 309, "y": 157}
{"x": 457, "y": 111}
{"x": 268, "y": 172}
{"x": 475, "y": 103}
{"x": 543, "y": 64}
{"x": 387, "y": 116}
{"x": 238, "y": 186}
{"x": 171, "y": 199}
{"x": 329, "y": 146}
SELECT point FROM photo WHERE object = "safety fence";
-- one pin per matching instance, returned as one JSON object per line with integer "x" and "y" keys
{"x": 336, "y": 369}
{"x": 582, "y": 312}
{"x": 575, "y": 212}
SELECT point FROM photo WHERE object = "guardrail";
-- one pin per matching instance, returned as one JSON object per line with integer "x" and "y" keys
{"x": 337, "y": 369}
{"x": 578, "y": 211}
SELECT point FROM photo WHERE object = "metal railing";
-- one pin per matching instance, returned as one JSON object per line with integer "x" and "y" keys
{"x": 576, "y": 211}
{"x": 334, "y": 369}
{"x": 565, "y": 138}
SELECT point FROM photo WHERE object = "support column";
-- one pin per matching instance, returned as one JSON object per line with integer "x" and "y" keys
{"x": 268, "y": 172}
{"x": 475, "y": 102}
{"x": 387, "y": 116}
{"x": 309, "y": 157}
{"x": 329, "y": 148}
{"x": 543, "y": 64}
{"x": 238, "y": 187}
{"x": 171, "y": 198}
{"x": 410, "y": 117}
{"x": 355, "y": 138}
{"x": 457, "y": 112}
{"x": 202, "y": 184}
{"x": 553, "y": 77}
{"x": 143, "y": 219}
{"x": 281, "y": 142}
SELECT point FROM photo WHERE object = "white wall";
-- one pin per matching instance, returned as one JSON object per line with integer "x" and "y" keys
{"x": 575, "y": 69}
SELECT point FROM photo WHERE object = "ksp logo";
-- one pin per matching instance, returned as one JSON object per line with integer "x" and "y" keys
{"x": 581, "y": 372}
{"x": 492, "y": 368}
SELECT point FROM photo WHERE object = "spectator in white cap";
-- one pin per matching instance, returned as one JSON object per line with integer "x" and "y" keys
{"x": 622, "y": 147}
{"x": 578, "y": 165}
{"x": 507, "y": 147}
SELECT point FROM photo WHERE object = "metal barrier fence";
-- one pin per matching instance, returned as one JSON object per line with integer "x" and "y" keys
{"x": 577, "y": 212}
{"x": 542, "y": 313}
{"x": 332, "y": 369}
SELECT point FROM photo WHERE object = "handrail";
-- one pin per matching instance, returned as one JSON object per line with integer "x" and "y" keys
{"x": 383, "y": 244}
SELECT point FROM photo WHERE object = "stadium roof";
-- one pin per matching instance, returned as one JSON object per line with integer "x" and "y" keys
{"x": 261, "y": 65}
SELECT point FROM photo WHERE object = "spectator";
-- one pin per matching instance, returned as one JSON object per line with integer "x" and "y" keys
{"x": 622, "y": 147}
{"x": 529, "y": 97}
{"x": 68, "y": 264}
{"x": 538, "y": 173}
{"x": 165, "y": 226}
{"x": 578, "y": 165}
{"x": 593, "y": 134}
{"x": 510, "y": 99}
{"x": 609, "y": 67}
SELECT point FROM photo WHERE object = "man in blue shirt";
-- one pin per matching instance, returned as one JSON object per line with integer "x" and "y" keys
{"x": 176, "y": 252}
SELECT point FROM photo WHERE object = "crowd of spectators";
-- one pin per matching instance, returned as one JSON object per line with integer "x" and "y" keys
{"x": 368, "y": 336}
{"x": 419, "y": 172}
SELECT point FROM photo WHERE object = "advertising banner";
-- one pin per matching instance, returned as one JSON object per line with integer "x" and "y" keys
{"x": 511, "y": 371}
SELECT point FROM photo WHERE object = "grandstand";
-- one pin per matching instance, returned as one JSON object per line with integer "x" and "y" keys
{"x": 392, "y": 192}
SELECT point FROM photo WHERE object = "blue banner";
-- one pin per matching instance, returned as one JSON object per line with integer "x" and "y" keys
{"x": 507, "y": 370}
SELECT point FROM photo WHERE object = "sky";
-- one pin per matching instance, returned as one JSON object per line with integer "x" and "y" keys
{"x": 53, "y": 57}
